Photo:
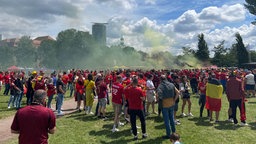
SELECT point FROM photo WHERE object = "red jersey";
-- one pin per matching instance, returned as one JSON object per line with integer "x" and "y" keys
{"x": 1, "y": 77}
{"x": 65, "y": 79}
{"x": 133, "y": 95}
{"x": 33, "y": 122}
{"x": 102, "y": 90}
{"x": 39, "y": 85}
{"x": 50, "y": 90}
{"x": 70, "y": 77}
{"x": 108, "y": 78}
{"x": 202, "y": 88}
{"x": 80, "y": 86}
{"x": 126, "y": 82}
{"x": 6, "y": 79}
{"x": 117, "y": 92}
{"x": 223, "y": 76}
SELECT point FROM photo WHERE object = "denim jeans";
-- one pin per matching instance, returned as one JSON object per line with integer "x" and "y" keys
{"x": 12, "y": 100}
{"x": 49, "y": 102}
{"x": 60, "y": 99}
{"x": 168, "y": 116}
{"x": 19, "y": 98}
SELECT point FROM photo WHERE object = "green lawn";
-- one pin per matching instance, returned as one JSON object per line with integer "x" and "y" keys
{"x": 79, "y": 128}
{"x": 5, "y": 112}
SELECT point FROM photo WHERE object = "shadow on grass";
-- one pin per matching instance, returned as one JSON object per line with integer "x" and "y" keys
{"x": 155, "y": 118}
{"x": 82, "y": 116}
{"x": 251, "y": 102}
{"x": 252, "y": 125}
{"x": 115, "y": 137}
{"x": 204, "y": 121}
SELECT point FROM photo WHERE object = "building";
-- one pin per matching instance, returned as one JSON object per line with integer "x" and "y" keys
{"x": 12, "y": 42}
{"x": 99, "y": 33}
{"x": 37, "y": 41}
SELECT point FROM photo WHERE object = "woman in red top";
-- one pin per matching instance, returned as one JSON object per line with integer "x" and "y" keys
{"x": 202, "y": 99}
{"x": 51, "y": 90}
{"x": 135, "y": 97}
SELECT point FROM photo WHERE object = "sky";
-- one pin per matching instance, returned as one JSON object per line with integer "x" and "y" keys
{"x": 147, "y": 25}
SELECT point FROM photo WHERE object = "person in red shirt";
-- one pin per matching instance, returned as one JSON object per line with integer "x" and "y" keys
{"x": 102, "y": 91}
{"x": 126, "y": 83}
{"x": 117, "y": 100}
{"x": 34, "y": 122}
{"x": 202, "y": 98}
{"x": 1, "y": 80}
{"x": 7, "y": 82}
{"x": 51, "y": 90}
{"x": 135, "y": 97}
{"x": 65, "y": 80}
{"x": 80, "y": 90}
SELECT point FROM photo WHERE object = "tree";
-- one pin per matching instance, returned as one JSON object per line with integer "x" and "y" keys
{"x": 203, "y": 52}
{"x": 219, "y": 55}
{"x": 242, "y": 53}
{"x": 251, "y": 6}
{"x": 73, "y": 47}
{"x": 47, "y": 54}
{"x": 6, "y": 56}
{"x": 188, "y": 51}
{"x": 25, "y": 53}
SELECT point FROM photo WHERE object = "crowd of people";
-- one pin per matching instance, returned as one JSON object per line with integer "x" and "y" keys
{"x": 134, "y": 91}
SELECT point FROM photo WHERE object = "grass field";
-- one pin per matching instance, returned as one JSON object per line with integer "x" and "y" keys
{"x": 78, "y": 128}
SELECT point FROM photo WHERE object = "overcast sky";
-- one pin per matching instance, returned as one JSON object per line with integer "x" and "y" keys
{"x": 147, "y": 25}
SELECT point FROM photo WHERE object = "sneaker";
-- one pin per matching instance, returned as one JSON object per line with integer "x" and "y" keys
{"x": 144, "y": 135}
{"x": 135, "y": 137}
{"x": 155, "y": 113}
{"x": 244, "y": 124}
{"x": 137, "y": 127}
{"x": 230, "y": 120}
{"x": 190, "y": 114}
{"x": 91, "y": 113}
{"x": 60, "y": 114}
{"x": 115, "y": 130}
{"x": 217, "y": 121}
{"x": 183, "y": 115}
{"x": 9, "y": 107}
{"x": 177, "y": 123}
{"x": 120, "y": 124}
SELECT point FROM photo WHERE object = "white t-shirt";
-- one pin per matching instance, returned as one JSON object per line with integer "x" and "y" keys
{"x": 150, "y": 85}
{"x": 250, "y": 79}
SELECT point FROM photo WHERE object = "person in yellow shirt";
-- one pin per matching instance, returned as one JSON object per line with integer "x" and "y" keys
{"x": 89, "y": 93}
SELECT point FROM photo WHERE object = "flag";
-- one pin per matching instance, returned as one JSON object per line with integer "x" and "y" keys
{"x": 214, "y": 91}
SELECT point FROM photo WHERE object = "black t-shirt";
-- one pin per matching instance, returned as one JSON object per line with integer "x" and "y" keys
{"x": 58, "y": 84}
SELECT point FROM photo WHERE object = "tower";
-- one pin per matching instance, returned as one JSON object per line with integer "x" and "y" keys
{"x": 99, "y": 33}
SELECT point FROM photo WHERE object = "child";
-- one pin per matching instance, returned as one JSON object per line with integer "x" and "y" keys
{"x": 175, "y": 138}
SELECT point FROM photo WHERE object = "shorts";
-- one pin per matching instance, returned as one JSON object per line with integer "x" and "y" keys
{"x": 117, "y": 108}
{"x": 185, "y": 96}
{"x": 150, "y": 97}
{"x": 249, "y": 87}
{"x": 80, "y": 97}
{"x": 102, "y": 102}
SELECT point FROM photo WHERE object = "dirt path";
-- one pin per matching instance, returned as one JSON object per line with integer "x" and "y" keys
{"x": 5, "y": 124}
